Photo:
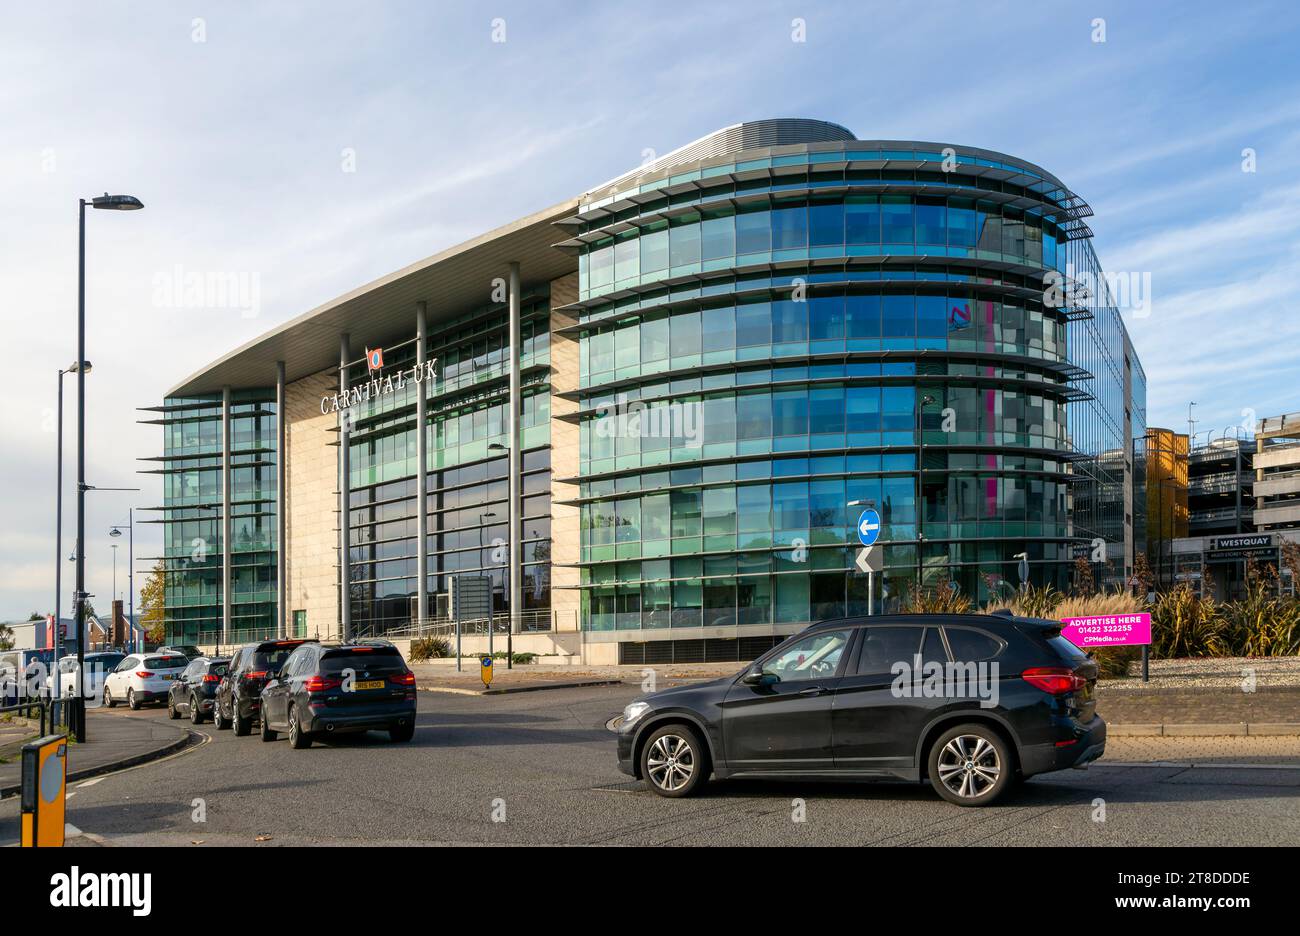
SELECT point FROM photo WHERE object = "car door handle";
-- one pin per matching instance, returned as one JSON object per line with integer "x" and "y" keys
{"x": 812, "y": 691}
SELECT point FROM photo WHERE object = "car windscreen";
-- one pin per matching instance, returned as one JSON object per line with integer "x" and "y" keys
{"x": 165, "y": 662}
{"x": 377, "y": 660}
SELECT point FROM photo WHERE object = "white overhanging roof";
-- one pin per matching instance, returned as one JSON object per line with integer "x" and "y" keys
{"x": 452, "y": 282}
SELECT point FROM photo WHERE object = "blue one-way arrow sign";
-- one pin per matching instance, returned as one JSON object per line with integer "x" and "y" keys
{"x": 869, "y": 527}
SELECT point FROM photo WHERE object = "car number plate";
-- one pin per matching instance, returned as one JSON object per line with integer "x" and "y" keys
{"x": 369, "y": 684}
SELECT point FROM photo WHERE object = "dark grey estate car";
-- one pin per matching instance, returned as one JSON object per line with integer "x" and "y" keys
{"x": 971, "y": 702}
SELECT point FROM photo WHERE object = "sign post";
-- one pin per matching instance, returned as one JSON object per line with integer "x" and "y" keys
{"x": 870, "y": 559}
{"x": 485, "y": 671}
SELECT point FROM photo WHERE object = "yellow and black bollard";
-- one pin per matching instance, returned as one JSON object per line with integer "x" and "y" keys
{"x": 45, "y": 775}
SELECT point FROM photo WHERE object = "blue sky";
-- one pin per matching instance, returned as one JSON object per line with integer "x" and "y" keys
{"x": 237, "y": 143}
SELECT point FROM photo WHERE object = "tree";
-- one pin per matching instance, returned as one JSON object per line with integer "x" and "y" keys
{"x": 153, "y": 612}
{"x": 35, "y": 616}
{"x": 6, "y": 637}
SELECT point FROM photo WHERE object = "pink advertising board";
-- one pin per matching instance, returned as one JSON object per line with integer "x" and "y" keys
{"x": 1108, "y": 630}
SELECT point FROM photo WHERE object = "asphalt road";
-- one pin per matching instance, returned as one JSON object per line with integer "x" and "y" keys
{"x": 543, "y": 764}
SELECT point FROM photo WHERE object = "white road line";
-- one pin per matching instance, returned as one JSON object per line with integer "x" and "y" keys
{"x": 91, "y": 782}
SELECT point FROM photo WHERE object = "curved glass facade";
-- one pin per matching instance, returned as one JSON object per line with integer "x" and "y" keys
{"x": 760, "y": 353}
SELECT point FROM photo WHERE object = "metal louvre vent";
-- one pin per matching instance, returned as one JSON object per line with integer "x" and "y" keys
{"x": 756, "y": 134}
{"x": 712, "y": 650}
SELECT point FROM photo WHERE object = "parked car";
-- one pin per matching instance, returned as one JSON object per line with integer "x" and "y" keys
{"x": 839, "y": 701}
{"x": 195, "y": 692}
{"x": 97, "y": 667}
{"x": 141, "y": 678}
{"x": 189, "y": 651}
{"x": 340, "y": 687}
{"x": 238, "y": 702}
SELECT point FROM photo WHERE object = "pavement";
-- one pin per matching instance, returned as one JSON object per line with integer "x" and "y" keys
{"x": 539, "y": 768}
{"x": 443, "y": 677}
{"x": 112, "y": 742}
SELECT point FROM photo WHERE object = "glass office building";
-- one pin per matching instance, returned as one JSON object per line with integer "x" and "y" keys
{"x": 722, "y": 358}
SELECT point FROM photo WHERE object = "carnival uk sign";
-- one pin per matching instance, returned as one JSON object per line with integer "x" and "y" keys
{"x": 377, "y": 385}
{"x": 1108, "y": 630}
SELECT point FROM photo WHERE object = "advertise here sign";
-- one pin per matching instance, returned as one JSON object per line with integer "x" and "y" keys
{"x": 1108, "y": 630}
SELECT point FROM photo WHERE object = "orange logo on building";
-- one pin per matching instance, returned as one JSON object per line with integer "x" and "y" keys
{"x": 375, "y": 359}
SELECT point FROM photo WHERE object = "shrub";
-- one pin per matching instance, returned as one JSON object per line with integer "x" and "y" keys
{"x": 1114, "y": 662}
{"x": 1034, "y": 601}
{"x": 1183, "y": 624}
{"x": 944, "y": 598}
{"x": 429, "y": 648}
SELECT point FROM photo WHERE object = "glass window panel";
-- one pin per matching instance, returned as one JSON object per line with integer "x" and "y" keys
{"x": 684, "y": 244}
{"x": 896, "y": 219}
{"x": 718, "y": 238}
{"x": 826, "y": 315}
{"x": 862, "y": 316}
{"x": 753, "y": 324}
{"x": 654, "y": 251}
{"x": 789, "y": 321}
{"x": 753, "y": 233}
{"x": 790, "y": 413}
{"x": 862, "y": 219}
{"x": 719, "y": 328}
{"x": 685, "y": 334}
{"x": 826, "y": 224}
{"x": 898, "y": 315}
{"x": 789, "y": 227}
{"x": 654, "y": 340}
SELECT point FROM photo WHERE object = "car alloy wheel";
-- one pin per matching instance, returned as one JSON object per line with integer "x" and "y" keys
{"x": 108, "y": 699}
{"x": 671, "y": 762}
{"x": 131, "y": 702}
{"x": 969, "y": 766}
{"x": 196, "y": 716}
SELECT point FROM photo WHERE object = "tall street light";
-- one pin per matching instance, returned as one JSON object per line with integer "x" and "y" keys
{"x": 130, "y": 566}
{"x": 72, "y": 368}
{"x": 111, "y": 203}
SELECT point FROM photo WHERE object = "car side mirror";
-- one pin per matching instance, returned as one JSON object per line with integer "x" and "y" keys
{"x": 756, "y": 677}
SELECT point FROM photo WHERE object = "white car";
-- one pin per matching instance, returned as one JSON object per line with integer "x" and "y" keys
{"x": 98, "y": 665}
{"x": 143, "y": 677}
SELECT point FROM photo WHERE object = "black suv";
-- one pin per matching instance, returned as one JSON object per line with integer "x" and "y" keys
{"x": 194, "y": 692}
{"x": 971, "y": 702}
{"x": 340, "y": 687}
{"x": 239, "y": 694}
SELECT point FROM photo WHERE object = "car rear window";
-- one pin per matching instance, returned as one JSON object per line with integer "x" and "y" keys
{"x": 218, "y": 669}
{"x": 1067, "y": 650}
{"x": 374, "y": 659}
{"x": 971, "y": 646}
{"x": 270, "y": 659}
{"x": 165, "y": 662}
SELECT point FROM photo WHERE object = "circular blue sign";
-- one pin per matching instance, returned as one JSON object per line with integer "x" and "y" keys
{"x": 869, "y": 527}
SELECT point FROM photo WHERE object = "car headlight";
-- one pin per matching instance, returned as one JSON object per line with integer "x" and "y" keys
{"x": 635, "y": 711}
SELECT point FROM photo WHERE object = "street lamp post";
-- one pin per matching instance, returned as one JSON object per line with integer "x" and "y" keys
{"x": 107, "y": 202}
{"x": 58, "y": 523}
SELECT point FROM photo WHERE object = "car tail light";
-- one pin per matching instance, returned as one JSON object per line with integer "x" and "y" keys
{"x": 209, "y": 677}
{"x": 320, "y": 684}
{"x": 403, "y": 679}
{"x": 255, "y": 674}
{"x": 1055, "y": 680}
{"x": 143, "y": 673}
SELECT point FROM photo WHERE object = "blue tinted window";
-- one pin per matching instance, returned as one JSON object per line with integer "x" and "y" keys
{"x": 861, "y": 220}
{"x": 685, "y": 244}
{"x": 654, "y": 251}
{"x": 790, "y": 413}
{"x": 753, "y": 324}
{"x": 930, "y": 221}
{"x": 827, "y": 317}
{"x": 789, "y": 321}
{"x": 896, "y": 219}
{"x": 862, "y": 316}
{"x": 931, "y": 316}
{"x": 718, "y": 238}
{"x": 790, "y": 227}
{"x": 719, "y": 326}
{"x": 752, "y": 233}
{"x": 899, "y": 315}
{"x": 826, "y": 224}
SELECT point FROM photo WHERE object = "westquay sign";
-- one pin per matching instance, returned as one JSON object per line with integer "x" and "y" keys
{"x": 377, "y": 386}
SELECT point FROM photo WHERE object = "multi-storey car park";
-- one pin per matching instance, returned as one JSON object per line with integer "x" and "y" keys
{"x": 721, "y": 358}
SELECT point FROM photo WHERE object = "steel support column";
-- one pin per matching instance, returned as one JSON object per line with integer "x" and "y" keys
{"x": 345, "y": 513}
{"x": 226, "y": 526}
{"x": 421, "y": 467}
{"x": 516, "y": 575}
{"x": 281, "y": 513}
